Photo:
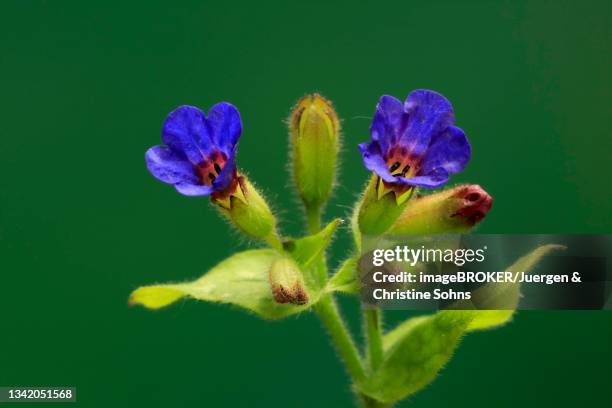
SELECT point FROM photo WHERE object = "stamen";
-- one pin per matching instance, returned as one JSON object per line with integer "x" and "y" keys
{"x": 401, "y": 163}
{"x": 210, "y": 169}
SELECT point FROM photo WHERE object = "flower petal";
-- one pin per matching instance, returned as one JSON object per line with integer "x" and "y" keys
{"x": 449, "y": 150}
{"x": 374, "y": 161}
{"x": 434, "y": 179}
{"x": 185, "y": 130}
{"x": 224, "y": 119}
{"x": 189, "y": 189}
{"x": 227, "y": 173}
{"x": 388, "y": 122}
{"x": 429, "y": 113}
{"x": 169, "y": 166}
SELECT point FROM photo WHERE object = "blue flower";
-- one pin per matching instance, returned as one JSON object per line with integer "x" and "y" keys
{"x": 415, "y": 143}
{"x": 199, "y": 152}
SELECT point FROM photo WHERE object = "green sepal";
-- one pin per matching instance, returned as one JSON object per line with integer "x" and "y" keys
{"x": 248, "y": 211}
{"x": 377, "y": 213}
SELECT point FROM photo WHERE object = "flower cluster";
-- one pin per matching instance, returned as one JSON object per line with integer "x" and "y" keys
{"x": 414, "y": 145}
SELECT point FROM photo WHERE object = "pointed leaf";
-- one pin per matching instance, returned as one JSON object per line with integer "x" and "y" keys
{"x": 306, "y": 250}
{"x": 488, "y": 319}
{"x": 241, "y": 280}
{"x": 346, "y": 278}
{"x": 402, "y": 331}
{"x": 414, "y": 353}
{"x": 506, "y": 296}
{"x": 155, "y": 297}
{"x": 416, "y": 350}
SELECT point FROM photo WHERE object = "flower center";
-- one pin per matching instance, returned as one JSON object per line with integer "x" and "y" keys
{"x": 210, "y": 169}
{"x": 400, "y": 163}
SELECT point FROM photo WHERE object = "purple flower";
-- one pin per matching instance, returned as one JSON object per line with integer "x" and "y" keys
{"x": 415, "y": 143}
{"x": 199, "y": 152}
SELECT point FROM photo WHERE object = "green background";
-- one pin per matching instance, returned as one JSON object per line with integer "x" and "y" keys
{"x": 85, "y": 87}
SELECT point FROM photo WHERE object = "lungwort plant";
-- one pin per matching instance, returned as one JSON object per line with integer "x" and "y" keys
{"x": 414, "y": 145}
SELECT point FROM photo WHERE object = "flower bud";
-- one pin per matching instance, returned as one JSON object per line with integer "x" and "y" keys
{"x": 377, "y": 212}
{"x": 314, "y": 130}
{"x": 287, "y": 283}
{"x": 248, "y": 211}
{"x": 457, "y": 210}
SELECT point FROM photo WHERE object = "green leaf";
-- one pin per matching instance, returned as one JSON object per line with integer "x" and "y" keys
{"x": 416, "y": 350}
{"x": 306, "y": 250}
{"x": 488, "y": 319}
{"x": 241, "y": 280}
{"x": 345, "y": 279}
{"x": 414, "y": 353}
{"x": 505, "y": 296}
{"x": 402, "y": 330}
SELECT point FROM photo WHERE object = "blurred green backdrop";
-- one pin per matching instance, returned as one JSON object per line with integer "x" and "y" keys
{"x": 85, "y": 88}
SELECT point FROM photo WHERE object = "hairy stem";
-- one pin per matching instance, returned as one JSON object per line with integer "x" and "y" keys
{"x": 313, "y": 219}
{"x": 274, "y": 241}
{"x": 373, "y": 328}
{"x": 327, "y": 311}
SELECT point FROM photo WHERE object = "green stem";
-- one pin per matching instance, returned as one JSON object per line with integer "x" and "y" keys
{"x": 328, "y": 312}
{"x": 274, "y": 240}
{"x": 329, "y": 315}
{"x": 313, "y": 219}
{"x": 373, "y": 326}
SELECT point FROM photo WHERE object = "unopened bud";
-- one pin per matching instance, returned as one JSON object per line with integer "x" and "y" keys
{"x": 287, "y": 283}
{"x": 248, "y": 211}
{"x": 314, "y": 136}
{"x": 457, "y": 210}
